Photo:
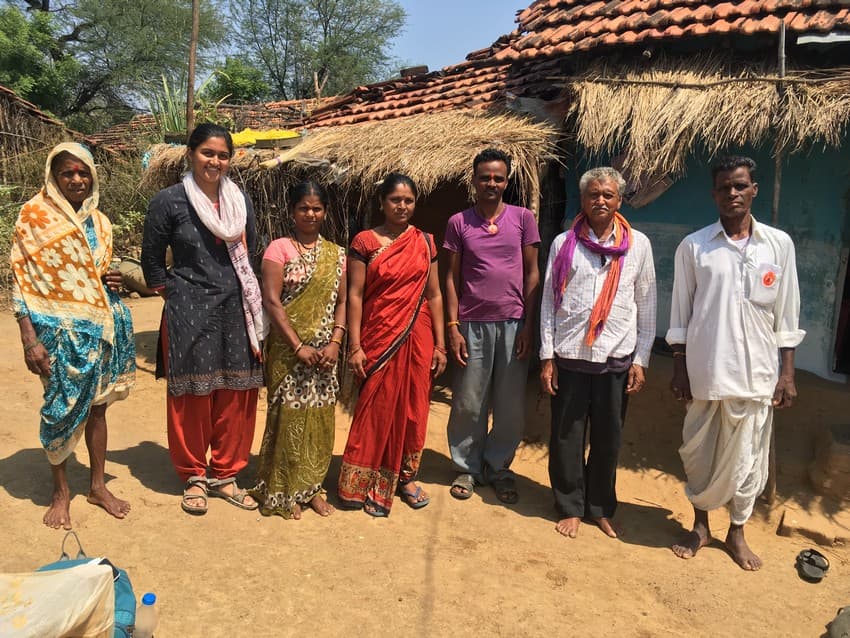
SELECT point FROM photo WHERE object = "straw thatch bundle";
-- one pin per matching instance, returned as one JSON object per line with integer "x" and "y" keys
{"x": 660, "y": 114}
{"x": 431, "y": 148}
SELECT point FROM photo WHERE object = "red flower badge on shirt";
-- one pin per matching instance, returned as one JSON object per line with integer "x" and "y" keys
{"x": 769, "y": 279}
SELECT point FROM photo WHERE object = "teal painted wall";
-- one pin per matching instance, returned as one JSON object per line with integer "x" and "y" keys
{"x": 813, "y": 210}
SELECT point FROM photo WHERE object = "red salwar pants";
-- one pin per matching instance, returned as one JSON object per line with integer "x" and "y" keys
{"x": 221, "y": 422}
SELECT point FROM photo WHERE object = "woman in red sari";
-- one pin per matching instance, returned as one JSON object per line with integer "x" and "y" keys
{"x": 396, "y": 346}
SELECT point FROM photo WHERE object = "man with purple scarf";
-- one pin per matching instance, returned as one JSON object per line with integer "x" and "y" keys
{"x": 597, "y": 326}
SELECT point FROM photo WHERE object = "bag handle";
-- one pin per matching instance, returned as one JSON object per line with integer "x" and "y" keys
{"x": 80, "y": 553}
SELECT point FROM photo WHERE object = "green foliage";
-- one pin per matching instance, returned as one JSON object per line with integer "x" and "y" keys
{"x": 9, "y": 207}
{"x": 91, "y": 61}
{"x": 237, "y": 81}
{"x": 124, "y": 203}
{"x": 329, "y": 45}
{"x": 169, "y": 107}
{"x": 26, "y": 65}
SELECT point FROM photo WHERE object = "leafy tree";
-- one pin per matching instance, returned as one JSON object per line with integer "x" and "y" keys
{"x": 319, "y": 46}
{"x": 237, "y": 81}
{"x": 26, "y": 65}
{"x": 118, "y": 48}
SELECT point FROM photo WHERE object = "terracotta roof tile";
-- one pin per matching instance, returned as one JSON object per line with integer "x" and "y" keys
{"x": 546, "y": 26}
{"x": 467, "y": 85}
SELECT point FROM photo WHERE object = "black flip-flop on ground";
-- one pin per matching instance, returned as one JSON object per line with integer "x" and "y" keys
{"x": 812, "y": 565}
{"x": 505, "y": 488}
{"x": 462, "y": 487}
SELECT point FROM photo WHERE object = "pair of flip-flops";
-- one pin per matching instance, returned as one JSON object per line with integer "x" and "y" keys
{"x": 812, "y": 565}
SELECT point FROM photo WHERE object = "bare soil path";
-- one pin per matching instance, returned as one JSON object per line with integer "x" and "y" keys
{"x": 454, "y": 568}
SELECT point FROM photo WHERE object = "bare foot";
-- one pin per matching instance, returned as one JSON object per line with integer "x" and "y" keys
{"x": 741, "y": 552}
{"x": 59, "y": 513}
{"x": 606, "y": 526}
{"x": 321, "y": 506}
{"x": 568, "y": 526}
{"x": 296, "y": 512}
{"x": 691, "y": 542}
{"x": 108, "y": 501}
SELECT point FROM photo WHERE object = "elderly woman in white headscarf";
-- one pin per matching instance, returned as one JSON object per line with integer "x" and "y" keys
{"x": 76, "y": 334}
{"x": 212, "y": 322}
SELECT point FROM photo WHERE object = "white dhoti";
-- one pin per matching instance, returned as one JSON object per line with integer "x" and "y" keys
{"x": 725, "y": 453}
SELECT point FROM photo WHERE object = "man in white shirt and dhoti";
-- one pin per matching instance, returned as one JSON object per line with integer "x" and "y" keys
{"x": 734, "y": 325}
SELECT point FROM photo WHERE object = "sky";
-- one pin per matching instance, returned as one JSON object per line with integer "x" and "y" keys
{"x": 441, "y": 32}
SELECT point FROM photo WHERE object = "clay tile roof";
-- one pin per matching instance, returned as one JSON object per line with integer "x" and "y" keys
{"x": 479, "y": 83}
{"x": 125, "y": 136}
{"x": 551, "y": 27}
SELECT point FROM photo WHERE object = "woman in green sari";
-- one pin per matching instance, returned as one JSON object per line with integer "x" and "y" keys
{"x": 304, "y": 289}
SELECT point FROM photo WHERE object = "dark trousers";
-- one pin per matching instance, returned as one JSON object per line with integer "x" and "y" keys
{"x": 586, "y": 489}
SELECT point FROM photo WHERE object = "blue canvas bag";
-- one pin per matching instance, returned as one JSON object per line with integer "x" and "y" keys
{"x": 125, "y": 599}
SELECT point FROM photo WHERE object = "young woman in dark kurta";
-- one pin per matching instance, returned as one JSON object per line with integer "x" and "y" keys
{"x": 205, "y": 352}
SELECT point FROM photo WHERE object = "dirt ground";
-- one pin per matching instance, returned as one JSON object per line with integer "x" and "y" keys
{"x": 455, "y": 568}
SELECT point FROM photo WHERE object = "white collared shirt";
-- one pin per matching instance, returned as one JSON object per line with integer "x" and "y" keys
{"x": 630, "y": 326}
{"x": 734, "y": 308}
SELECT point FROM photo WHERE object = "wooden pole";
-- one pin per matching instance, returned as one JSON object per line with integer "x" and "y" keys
{"x": 777, "y": 181}
{"x": 193, "y": 51}
{"x": 769, "y": 493}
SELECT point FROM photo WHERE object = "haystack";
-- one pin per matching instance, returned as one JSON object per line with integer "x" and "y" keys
{"x": 433, "y": 149}
{"x": 658, "y": 114}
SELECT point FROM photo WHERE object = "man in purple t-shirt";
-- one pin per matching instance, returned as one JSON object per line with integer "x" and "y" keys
{"x": 491, "y": 294}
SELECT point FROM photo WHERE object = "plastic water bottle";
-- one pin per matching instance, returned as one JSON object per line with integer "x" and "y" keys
{"x": 147, "y": 617}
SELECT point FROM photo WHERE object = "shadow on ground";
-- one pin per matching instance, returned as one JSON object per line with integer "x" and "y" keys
{"x": 26, "y": 475}
{"x": 146, "y": 343}
{"x": 150, "y": 464}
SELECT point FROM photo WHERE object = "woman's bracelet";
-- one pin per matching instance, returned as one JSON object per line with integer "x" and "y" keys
{"x": 32, "y": 345}
{"x": 440, "y": 349}
{"x": 340, "y": 327}
{"x": 678, "y": 353}
{"x": 337, "y": 341}
{"x": 300, "y": 345}
{"x": 453, "y": 323}
{"x": 354, "y": 350}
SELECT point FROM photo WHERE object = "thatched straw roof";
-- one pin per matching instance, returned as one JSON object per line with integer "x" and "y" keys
{"x": 660, "y": 114}
{"x": 26, "y": 135}
{"x": 432, "y": 149}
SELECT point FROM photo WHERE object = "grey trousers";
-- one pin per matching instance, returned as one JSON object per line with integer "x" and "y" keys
{"x": 493, "y": 378}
